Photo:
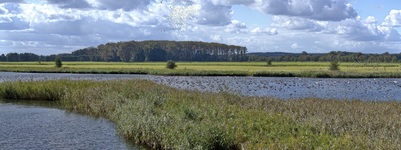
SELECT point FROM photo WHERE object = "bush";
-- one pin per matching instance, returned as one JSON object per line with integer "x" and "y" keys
{"x": 171, "y": 64}
{"x": 269, "y": 62}
{"x": 58, "y": 62}
{"x": 334, "y": 65}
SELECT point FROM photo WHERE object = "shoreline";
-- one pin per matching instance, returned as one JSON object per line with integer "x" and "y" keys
{"x": 306, "y": 74}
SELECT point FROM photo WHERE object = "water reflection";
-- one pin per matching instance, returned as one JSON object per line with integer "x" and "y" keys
{"x": 33, "y": 126}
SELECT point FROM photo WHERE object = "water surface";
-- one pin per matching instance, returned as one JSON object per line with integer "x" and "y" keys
{"x": 35, "y": 127}
{"x": 284, "y": 88}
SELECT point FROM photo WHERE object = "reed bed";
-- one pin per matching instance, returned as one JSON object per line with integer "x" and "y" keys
{"x": 162, "y": 117}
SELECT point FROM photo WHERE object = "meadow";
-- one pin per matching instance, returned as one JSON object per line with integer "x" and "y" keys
{"x": 162, "y": 117}
{"x": 278, "y": 69}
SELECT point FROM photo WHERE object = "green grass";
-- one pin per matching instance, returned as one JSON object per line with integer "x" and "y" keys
{"x": 166, "y": 118}
{"x": 278, "y": 69}
{"x": 299, "y": 69}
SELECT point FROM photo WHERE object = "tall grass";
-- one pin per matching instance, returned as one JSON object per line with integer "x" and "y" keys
{"x": 278, "y": 69}
{"x": 166, "y": 118}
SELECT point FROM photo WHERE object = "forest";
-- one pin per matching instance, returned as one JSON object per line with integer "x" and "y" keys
{"x": 186, "y": 51}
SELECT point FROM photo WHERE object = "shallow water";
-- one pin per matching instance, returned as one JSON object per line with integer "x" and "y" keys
{"x": 38, "y": 127}
{"x": 284, "y": 88}
{"x": 293, "y": 88}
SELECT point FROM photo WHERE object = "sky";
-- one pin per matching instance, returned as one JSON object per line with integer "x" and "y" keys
{"x": 316, "y": 26}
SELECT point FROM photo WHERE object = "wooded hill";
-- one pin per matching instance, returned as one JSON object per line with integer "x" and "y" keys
{"x": 145, "y": 51}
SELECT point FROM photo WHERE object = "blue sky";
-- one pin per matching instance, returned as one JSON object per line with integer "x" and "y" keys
{"x": 316, "y": 26}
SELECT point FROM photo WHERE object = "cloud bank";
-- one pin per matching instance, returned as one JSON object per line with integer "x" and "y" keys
{"x": 58, "y": 26}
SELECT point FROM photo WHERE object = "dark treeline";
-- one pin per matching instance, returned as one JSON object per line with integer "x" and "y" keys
{"x": 331, "y": 56}
{"x": 144, "y": 51}
{"x": 149, "y": 51}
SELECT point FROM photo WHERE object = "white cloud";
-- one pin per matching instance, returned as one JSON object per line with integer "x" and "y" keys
{"x": 70, "y": 3}
{"x": 126, "y": 5}
{"x": 268, "y": 31}
{"x": 214, "y": 15}
{"x": 9, "y": 20}
{"x": 295, "y": 46}
{"x": 235, "y": 27}
{"x": 371, "y": 20}
{"x": 296, "y": 23}
{"x": 325, "y": 10}
{"x": 232, "y": 2}
{"x": 11, "y": 1}
{"x": 217, "y": 38}
{"x": 363, "y": 30}
{"x": 313, "y": 25}
{"x": 393, "y": 19}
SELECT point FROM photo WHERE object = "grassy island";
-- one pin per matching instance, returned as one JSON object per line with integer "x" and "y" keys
{"x": 162, "y": 117}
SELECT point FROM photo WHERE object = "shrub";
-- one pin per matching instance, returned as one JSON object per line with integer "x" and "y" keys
{"x": 171, "y": 64}
{"x": 58, "y": 62}
{"x": 334, "y": 65}
{"x": 269, "y": 62}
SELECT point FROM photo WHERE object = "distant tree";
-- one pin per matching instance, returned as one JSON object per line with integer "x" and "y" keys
{"x": 3, "y": 57}
{"x": 269, "y": 62}
{"x": 58, "y": 62}
{"x": 12, "y": 57}
{"x": 334, "y": 65}
{"x": 171, "y": 64}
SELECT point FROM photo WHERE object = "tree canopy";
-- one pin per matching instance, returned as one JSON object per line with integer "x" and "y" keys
{"x": 144, "y": 51}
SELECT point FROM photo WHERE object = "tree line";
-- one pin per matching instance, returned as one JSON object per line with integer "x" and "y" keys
{"x": 149, "y": 51}
{"x": 144, "y": 51}
{"x": 341, "y": 56}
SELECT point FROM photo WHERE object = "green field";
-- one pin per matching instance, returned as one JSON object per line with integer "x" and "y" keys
{"x": 300, "y": 69}
{"x": 162, "y": 117}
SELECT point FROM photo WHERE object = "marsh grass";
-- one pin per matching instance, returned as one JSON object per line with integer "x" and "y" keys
{"x": 162, "y": 117}
{"x": 279, "y": 69}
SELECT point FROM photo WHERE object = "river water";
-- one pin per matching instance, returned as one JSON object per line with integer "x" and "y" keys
{"x": 26, "y": 126}
{"x": 283, "y": 88}
{"x": 32, "y": 126}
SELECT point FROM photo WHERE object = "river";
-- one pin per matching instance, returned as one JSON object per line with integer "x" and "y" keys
{"x": 284, "y": 88}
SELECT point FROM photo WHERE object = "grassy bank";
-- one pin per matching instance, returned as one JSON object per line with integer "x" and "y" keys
{"x": 278, "y": 69}
{"x": 167, "y": 118}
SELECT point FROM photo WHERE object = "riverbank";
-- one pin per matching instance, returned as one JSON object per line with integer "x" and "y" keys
{"x": 167, "y": 118}
{"x": 256, "y": 69}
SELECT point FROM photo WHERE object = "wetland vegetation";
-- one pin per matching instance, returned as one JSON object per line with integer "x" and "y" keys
{"x": 167, "y": 118}
{"x": 277, "y": 69}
